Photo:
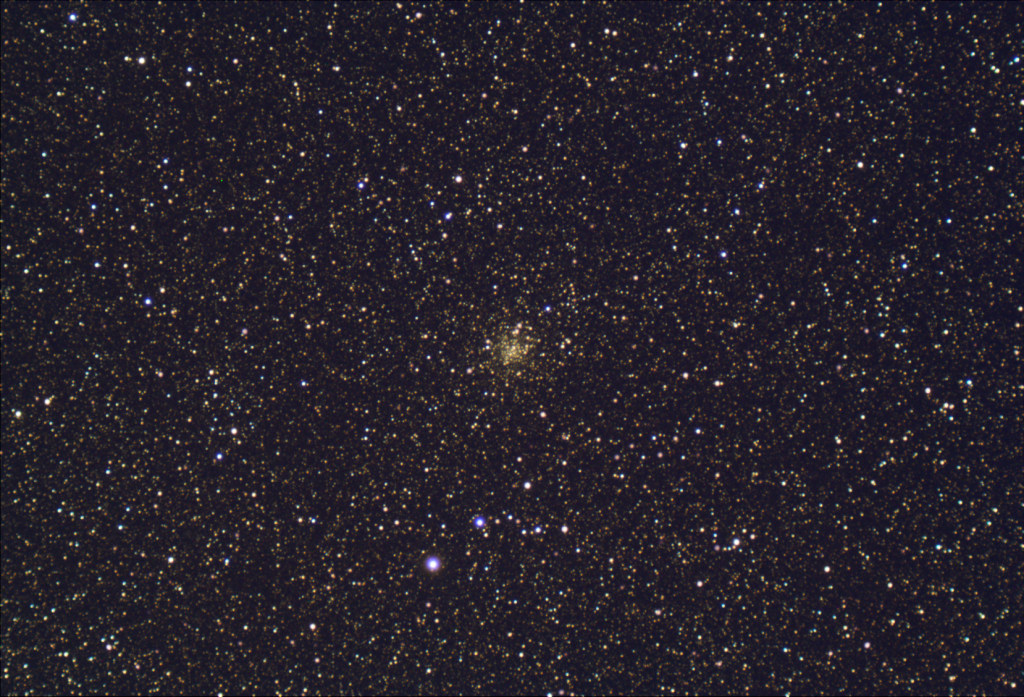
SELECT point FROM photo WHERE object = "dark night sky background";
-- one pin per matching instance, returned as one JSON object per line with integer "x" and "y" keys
{"x": 686, "y": 339}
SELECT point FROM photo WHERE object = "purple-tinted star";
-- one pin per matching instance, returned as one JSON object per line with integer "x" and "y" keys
{"x": 433, "y": 564}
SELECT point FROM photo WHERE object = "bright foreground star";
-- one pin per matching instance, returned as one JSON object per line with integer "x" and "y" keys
{"x": 433, "y": 563}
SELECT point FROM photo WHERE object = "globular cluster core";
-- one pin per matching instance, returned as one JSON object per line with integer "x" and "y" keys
{"x": 512, "y": 348}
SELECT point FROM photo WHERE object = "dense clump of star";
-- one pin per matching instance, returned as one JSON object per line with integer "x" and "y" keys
{"x": 537, "y": 348}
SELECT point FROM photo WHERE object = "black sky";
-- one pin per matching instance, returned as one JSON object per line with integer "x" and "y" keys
{"x": 686, "y": 339}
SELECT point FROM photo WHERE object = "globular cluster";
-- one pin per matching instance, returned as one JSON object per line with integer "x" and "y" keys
{"x": 558, "y": 348}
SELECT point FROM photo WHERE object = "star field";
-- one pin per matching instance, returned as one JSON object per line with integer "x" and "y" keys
{"x": 571, "y": 348}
